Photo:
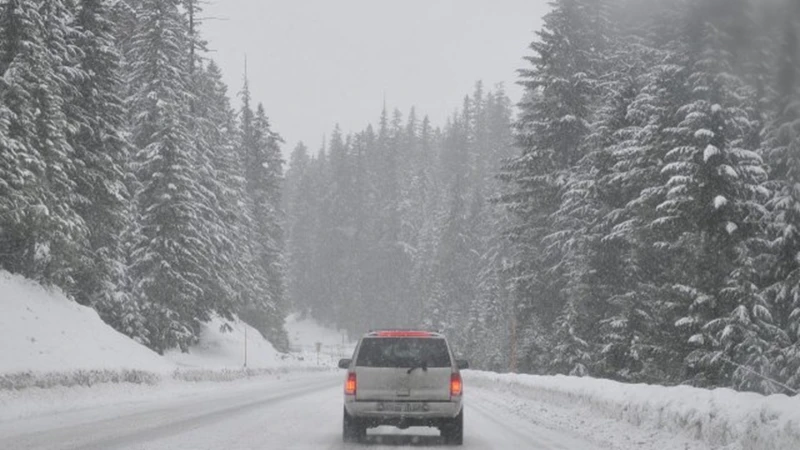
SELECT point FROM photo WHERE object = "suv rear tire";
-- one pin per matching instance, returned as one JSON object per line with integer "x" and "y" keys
{"x": 352, "y": 429}
{"x": 453, "y": 432}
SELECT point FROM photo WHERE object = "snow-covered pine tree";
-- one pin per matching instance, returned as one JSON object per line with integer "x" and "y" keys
{"x": 371, "y": 188}
{"x": 639, "y": 338}
{"x": 207, "y": 115}
{"x": 414, "y": 187}
{"x": 172, "y": 253}
{"x": 351, "y": 190}
{"x": 334, "y": 228}
{"x": 599, "y": 268}
{"x": 361, "y": 219}
{"x": 559, "y": 88}
{"x": 456, "y": 265}
{"x": 781, "y": 149}
{"x": 419, "y": 213}
{"x": 223, "y": 179}
{"x": 709, "y": 195}
{"x": 395, "y": 249}
{"x": 748, "y": 336}
{"x": 101, "y": 155}
{"x": 41, "y": 229}
{"x": 588, "y": 265}
{"x": 17, "y": 26}
{"x": 320, "y": 288}
{"x": 300, "y": 220}
{"x": 488, "y": 333}
{"x": 271, "y": 182}
{"x": 260, "y": 150}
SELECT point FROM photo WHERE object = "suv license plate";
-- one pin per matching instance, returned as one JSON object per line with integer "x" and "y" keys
{"x": 403, "y": 407}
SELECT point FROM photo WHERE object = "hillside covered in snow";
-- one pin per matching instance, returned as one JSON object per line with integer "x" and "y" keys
{"x": 48, "y": 339}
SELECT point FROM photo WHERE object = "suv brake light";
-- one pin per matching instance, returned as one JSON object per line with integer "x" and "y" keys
{"x": 404, "y": 333}
{"x": 350, "y": 384}
{"x": 456, "y": 387}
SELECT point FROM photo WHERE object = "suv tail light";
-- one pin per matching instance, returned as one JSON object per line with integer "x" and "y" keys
{"x": 456, "y": 386}
{"x": 404, "y": 333}
{"x": 350, "y": 384}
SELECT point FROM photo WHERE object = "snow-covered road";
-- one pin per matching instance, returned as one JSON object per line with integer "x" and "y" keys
{"x": 296, "y": 412}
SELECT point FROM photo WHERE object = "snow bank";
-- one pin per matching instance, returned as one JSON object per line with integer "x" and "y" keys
{"x": 721, "y": 418}
{"x": 43, "y": 331}
{"x": 47, "y": 340}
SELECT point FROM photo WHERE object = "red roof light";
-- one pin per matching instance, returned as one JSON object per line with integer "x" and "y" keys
{"x": 404, "y": 333}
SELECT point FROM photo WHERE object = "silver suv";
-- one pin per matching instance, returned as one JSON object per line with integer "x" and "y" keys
{"x": 403, "y": 378}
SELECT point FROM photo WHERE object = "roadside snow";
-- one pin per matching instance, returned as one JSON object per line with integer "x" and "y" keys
{"x": 225, "y": 349}
{"x": 57, "y": 355}
{"x": 43, "y": 331}
{"x": 720, "y": 418}
{"x": 47, "y": 340}
{"x": 543, "y": 418}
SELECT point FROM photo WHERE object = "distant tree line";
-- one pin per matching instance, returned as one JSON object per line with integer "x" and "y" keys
{"x": 395, "y": 225}
{"x": 127, "y": 179}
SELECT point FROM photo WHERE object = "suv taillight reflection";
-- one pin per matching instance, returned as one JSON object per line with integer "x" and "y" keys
{"x": 350, "y": 384}
{"x": 455, "y": 385}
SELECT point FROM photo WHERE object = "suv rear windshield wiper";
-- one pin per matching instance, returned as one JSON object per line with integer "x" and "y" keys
{"x": 423, "y": 365}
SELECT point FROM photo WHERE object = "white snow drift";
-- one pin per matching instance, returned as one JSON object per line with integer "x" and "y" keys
{"x": 43, "y": 334}
{"x": 721, "y": 418}
{"x": 43, "y": 331}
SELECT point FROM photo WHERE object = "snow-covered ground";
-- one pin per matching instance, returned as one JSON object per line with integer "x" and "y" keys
{"x": 295, "y": 399}
{"x": 720, "y": 418}
{"x": 219, "y": 349}
{"x": 226, "y": 349}
{"x": 303, "y": 411}
{"x": 46, "y": 340}
{"x": 42, "y": 331}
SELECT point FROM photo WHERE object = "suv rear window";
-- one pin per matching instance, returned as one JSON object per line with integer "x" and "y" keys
{"x": 403, "y": 352}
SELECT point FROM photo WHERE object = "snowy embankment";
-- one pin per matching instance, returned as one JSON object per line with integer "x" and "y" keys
{"x": 720, "y": 418}
{"x": 46, "y": 340}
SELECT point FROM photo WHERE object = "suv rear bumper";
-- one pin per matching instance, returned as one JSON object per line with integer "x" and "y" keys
{"x": 391, "y": 411}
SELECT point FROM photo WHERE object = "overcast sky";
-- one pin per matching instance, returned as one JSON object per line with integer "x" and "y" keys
{"x": 316, "y": 63}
